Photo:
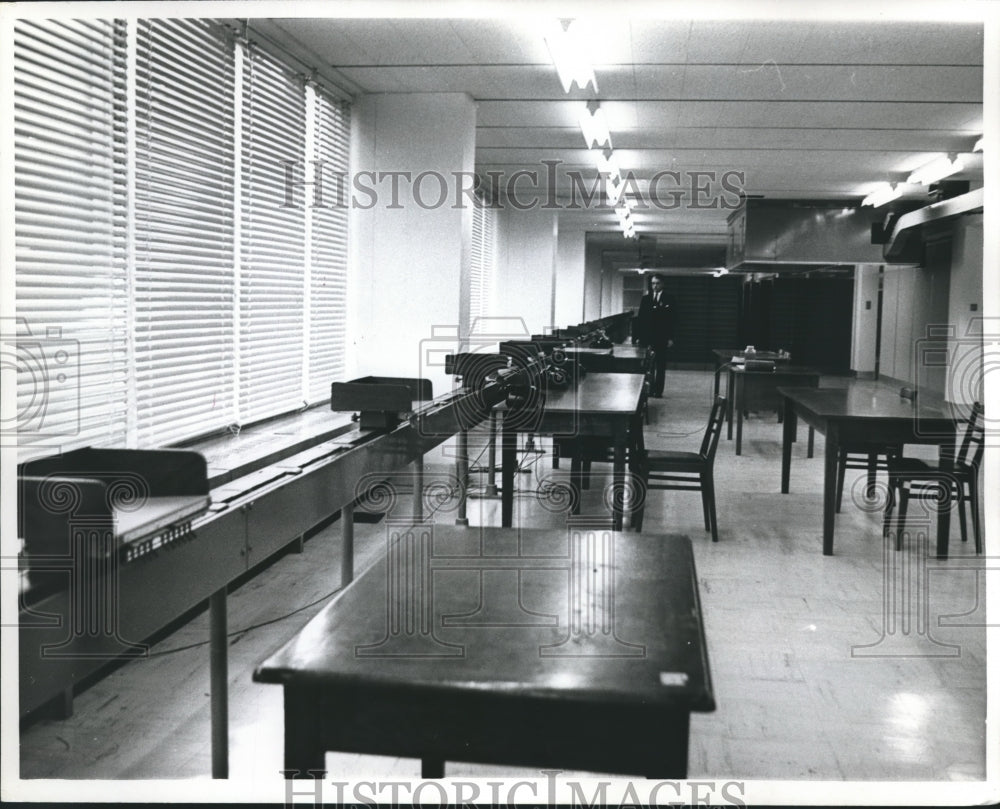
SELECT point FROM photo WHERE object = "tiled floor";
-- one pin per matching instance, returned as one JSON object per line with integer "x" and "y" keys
{"x": 818, "y": 673}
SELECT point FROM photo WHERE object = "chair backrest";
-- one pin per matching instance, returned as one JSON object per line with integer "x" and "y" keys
{"x": 971, "y": 451}
{"x": 714, "y": 429}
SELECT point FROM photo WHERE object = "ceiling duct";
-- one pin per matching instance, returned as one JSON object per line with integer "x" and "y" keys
{"x": 792, "y": 236}
{"x": 905, "y": 244}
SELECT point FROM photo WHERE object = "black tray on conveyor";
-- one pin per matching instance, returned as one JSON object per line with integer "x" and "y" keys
{"x": 102, "y": 502}
{"x": 380, "y": 400}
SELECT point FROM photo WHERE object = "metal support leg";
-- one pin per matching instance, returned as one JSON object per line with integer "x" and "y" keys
{"x": 219, "y": 680}
{"x": 347, "y": 545}
{"x": 418, "y": 490}
{"x": 491, "y": 477}
{"x": 462, "y": 468}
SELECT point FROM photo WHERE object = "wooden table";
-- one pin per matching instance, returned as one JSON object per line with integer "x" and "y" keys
{"x": 753, "y": 390}
{"x": 620, "y": 359}
{"x": 724, "y": 355}
{"x": 600, "y": 405}
{"x": 864, "y": 412}
{"x": 599, "y": 670}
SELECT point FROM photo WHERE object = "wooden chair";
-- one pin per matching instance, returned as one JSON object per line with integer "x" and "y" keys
{"x": 584, "y": 451}
{"x": 872, "y": 457}
{"x": 914, "y": 477}
{"x": 683, "y": 471}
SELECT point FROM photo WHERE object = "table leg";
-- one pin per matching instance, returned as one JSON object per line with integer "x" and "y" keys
{"x": 787, "y": 438}
{"x": 738, "y": 391}
{"x": 618, "y": 490}
{"x": 673, "y": 751}
{"x": 729, "y": 404}
{"x": 508, "y": 463}
{"x": 830, "y": 487}
{"x": 347, "y": 544}
{"x": 717, "y": 374}
{"x": 431, "y": 768}
{"x": 812, "y": 442}
{"x": 872, "y": 471}
{"x": 462, "y": 469}
{"x": 304, "y": 754}
{"x": 218, "y": 645}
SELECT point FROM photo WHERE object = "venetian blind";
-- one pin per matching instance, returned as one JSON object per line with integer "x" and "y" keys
{"x": 483, "y": 262}
{"x": 70, "y": 235}
{"x": 271, "y": 294}
{"x": 327, "y": 334}
{"x": 168, "y": 289}
{"x": 183, "y": 213}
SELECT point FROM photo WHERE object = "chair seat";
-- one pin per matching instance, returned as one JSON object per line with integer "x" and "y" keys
{"x": 657, "y": 459}
{"x": 917, "y": 467}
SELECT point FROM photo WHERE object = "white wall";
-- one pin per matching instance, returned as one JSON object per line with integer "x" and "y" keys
{"x": 570, "y": 277}
{"x": 965, "y": 377}
{"x": 526, "y": 261}
{"x": 593, "y": 285}
{"x": 409, "y": 256}
{"x": 927, "y": 318}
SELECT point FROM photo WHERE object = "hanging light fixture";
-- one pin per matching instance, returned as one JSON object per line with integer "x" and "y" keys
{"x": 937, "y": 169}
{"x": 594, "y": 126}
{"x": 607, "y": 164}
{"x": 569, "y": 54}
{"x": 883, "y": 194}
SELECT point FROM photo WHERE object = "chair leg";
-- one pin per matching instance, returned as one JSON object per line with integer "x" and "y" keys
{"x": 841, "y": 471}
{"x": 904, "y": 499}
{"x": 705, "y": 506}
{"x": 585, "y": 465}
{"x": 974, "y": 505}
{"x": 960, "y": 502}
{"x": 890, "y": 502}
{"x": 708, "y": 500}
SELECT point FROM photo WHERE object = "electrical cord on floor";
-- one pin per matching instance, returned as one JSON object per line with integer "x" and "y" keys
{"x": 243, "y": 631}
{"x": 321, "y": 599}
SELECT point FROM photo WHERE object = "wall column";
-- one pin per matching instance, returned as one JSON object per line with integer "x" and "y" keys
{"x": 413, "y": 159}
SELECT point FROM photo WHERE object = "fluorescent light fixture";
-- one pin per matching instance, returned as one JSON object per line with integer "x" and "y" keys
{"x": 607, "y": 164}
{"x": 937, "y": 169}
{"x": 569, "y": 54}
{"x": 979, "y": 146}
{"x": 882, "y": 194}
{"x": 595, "y": 127}
{"x": 615, "y": 190}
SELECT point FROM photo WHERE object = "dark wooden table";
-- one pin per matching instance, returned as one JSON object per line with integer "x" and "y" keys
{"x": 864, "y": 412}
{"x": 599, "y": 670}
{"x": 758, "y": 390}
{"x": 724, "y": 355}
{"x": 619, "y": 359}
{"x": 600, "y": 405}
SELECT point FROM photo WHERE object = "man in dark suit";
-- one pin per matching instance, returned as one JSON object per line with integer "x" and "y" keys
{"x": 654, "y": 328}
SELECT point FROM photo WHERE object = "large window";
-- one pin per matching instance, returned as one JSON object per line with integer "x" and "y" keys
{"x": 483, "y": 264}
{"x": 168, "y": 289}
